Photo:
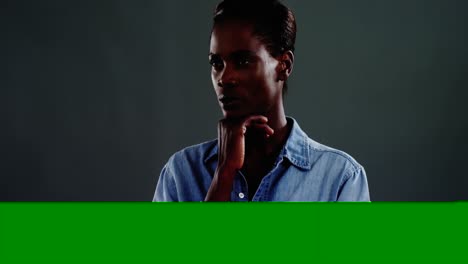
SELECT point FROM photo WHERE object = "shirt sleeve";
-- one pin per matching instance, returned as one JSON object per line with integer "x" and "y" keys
{"x": 165, "y": 189}
{"x": 354, "y": 188}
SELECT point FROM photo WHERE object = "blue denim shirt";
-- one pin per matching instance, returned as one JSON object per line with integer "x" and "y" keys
{"x": 304, "y": 171}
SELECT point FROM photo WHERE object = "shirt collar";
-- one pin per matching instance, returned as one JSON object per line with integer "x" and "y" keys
{"x": 296, "y": 149}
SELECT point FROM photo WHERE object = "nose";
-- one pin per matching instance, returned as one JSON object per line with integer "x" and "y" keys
{"x": 227, "y": 78}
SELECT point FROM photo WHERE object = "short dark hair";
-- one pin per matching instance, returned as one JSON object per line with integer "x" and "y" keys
{"x": 274, "y": 24}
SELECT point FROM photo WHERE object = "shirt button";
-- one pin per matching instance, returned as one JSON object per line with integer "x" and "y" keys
{"x": 241, "y": 195}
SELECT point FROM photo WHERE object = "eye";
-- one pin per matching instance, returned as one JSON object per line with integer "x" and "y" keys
{"x": 216, "y": 64}
{"x": 242, "y": 62}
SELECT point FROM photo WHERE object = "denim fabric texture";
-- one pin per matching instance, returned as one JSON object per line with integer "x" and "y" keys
{"x": 305, "y": 170}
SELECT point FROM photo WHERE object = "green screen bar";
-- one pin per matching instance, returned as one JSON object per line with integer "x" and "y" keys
{"x": 233, "y": 232}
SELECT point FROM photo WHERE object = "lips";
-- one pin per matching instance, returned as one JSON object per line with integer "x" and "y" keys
{"x": 230, "y": 103}
{"x": 226, "y": 100}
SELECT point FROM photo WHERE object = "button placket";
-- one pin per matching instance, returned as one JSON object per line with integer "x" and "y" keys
{"x": 262, "y": 191}
{"x": 241, "y": 190}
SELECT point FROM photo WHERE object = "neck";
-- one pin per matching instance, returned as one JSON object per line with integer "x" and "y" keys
{"x": 270, "y": 146}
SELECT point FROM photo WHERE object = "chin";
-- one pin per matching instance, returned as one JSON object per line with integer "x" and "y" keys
{"x": 228, "y": 114}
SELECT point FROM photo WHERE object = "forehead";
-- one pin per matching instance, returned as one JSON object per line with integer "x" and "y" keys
{"x": 232, "y": 36}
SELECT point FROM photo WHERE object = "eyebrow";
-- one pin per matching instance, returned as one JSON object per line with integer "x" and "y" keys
{"x": 237, "y": 53}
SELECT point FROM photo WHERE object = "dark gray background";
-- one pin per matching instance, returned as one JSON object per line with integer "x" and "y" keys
{"x": 96, "y": 95}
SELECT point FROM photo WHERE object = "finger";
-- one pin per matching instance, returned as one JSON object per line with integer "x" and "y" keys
{"x": 255, "y": 120}
{"x": 268, "y": 130}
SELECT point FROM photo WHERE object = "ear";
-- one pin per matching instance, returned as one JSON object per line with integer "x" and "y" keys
{"x": 286, "y": 63}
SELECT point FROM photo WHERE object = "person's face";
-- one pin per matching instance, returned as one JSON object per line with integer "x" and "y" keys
{"x": 244, "y": 74}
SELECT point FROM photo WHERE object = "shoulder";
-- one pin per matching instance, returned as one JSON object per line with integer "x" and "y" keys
{"x": 307, "y": 153}
{"x": 332, "y": 157}
{"x": 194, "y": 153}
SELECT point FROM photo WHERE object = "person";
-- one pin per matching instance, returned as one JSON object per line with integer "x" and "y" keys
{"x": 260, "y": 153}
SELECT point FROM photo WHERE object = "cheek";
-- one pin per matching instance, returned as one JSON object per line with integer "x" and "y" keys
{"x": 259, "y": 75}
{"x": 266, "y": 80}
{"x": 214, "y": 81}
{"x": 271, "y": 70}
